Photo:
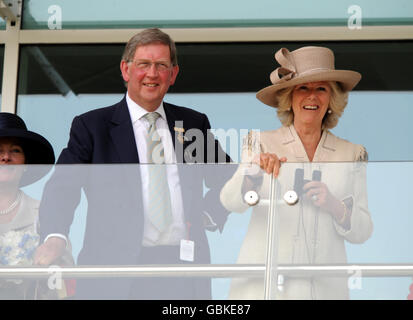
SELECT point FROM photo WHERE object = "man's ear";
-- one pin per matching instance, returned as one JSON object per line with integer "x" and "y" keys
{"x": 175, "y": 71}
{"x": 124, "y": 68}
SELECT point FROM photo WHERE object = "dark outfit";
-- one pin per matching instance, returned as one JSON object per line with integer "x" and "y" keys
{"x": 114, "y": 228}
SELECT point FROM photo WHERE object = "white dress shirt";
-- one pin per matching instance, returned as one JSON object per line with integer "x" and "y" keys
{"x": 177, "y": 230}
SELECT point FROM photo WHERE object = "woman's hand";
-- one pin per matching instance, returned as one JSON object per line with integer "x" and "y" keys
{"x": 270, "y": 163}
{"x": 321, "y": 197}
{"x": 319, "y": 194}
{"x": 49, "y": 251}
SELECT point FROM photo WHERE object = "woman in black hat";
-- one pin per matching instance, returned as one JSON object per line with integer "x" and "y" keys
{"x": 20, "y": 149}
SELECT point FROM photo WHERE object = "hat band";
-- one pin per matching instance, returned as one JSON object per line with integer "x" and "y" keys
{"x": 282, "y": 74}
{"x": 315, "y": 69}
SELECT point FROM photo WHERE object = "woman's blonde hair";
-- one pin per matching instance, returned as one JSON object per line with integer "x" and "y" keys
{"x": 338, "y": 101}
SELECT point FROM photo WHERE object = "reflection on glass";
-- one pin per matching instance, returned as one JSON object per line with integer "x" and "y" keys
{"x": 1, "y": 68}
{"x": 19, "y": 236}
{"x": 52, "y": 69}
{"x": 310, "y": 236}
{"x": 112, "y": 233}
{"x": 94, "y": 69}
{"x": 62, "y": 14}
{"x": 120, "y": 228}
{"x": 307, "y": 236}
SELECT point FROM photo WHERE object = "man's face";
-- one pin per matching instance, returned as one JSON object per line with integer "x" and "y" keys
{"x": 149, "y": 75}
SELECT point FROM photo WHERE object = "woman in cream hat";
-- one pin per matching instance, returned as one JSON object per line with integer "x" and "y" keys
{"x": 310, "y": 96}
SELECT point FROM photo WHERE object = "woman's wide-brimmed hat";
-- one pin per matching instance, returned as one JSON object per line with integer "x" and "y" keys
{"x": 307, "y": 64}
{"x": 37, "y": 149}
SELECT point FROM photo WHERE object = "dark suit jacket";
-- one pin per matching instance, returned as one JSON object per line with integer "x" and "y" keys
{"x": 114, "y": 226}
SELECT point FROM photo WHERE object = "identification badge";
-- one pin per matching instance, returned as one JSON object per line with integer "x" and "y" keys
{"x": 187, "y": 250}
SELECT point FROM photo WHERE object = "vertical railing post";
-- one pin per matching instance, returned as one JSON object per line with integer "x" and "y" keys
{"x": 271, "y": 263}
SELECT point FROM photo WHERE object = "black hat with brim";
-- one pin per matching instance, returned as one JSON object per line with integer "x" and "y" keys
{"x": 37, "y": 149}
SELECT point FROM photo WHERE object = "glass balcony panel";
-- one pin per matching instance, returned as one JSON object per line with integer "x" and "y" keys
{"x": 322, "y": 254}
{"x": 99, "y": 208}
{"x": 312, "y": 254}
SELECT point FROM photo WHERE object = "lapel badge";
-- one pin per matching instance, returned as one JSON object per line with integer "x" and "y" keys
{"x": 180, "y": 132}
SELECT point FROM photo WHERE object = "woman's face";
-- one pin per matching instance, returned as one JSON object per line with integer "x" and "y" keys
{"x": 11, "y": 153}
{"x": 310, "y": 102}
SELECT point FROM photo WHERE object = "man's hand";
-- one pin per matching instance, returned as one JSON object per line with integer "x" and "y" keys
{"x": 49, "y": 251}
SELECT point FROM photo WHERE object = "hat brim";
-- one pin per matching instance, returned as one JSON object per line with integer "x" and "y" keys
{"x": 37, "y": 150}
{"x": 348, "y": 80}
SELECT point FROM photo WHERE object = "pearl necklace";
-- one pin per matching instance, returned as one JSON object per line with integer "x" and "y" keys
{"x": 13, "y": 205}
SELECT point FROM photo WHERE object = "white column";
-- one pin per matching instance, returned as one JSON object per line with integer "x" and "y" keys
{"x": 10, "y": 64}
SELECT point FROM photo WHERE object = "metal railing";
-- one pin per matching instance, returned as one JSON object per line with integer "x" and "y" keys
{"x": 207, "y": 270}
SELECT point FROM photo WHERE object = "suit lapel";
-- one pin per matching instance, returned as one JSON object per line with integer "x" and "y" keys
{"x": 171, "y": 118}
{"x": 325, "y": 148}
{"x": 186, "y": 173}
{"x": 122, "y": 134}
{"x": 291, "y": 138}
{"x": 173, "y": 123}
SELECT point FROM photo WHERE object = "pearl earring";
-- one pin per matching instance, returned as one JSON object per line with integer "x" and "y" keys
{"x": 329, "y": 111}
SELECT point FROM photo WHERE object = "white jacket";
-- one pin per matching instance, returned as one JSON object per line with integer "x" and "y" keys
{"x": 306, "y": 234}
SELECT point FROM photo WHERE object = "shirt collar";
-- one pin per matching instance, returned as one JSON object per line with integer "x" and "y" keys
{"x": 137, "y": 112}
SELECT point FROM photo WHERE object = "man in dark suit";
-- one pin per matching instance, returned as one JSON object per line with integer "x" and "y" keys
{"x": 120, "y": 229}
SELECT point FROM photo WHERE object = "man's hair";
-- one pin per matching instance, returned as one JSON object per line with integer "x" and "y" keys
{"x": 149, "y": 36}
